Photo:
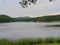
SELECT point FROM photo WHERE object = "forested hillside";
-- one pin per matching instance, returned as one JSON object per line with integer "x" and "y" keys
{"x": 5, "y": 18}
{"x": 52, "y": 18}
{"x": 47, "y": 18}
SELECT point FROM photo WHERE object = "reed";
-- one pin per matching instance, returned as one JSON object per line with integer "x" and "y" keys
{"x": 29, "y": 41}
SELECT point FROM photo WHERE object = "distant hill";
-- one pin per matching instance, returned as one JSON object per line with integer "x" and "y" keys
{"x": 5, "y": 18}
{"x": 38, "y": 19}
{"x": 52, "y": 18}
{"x": 47, "y": 18}
{"x": 23, "y": 19}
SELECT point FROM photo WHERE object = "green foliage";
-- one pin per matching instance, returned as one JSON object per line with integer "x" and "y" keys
{"x": 47, "y": 18}
{"x": 38, "y": 19}
{"x": 22, "y": 19}
{"x": 4, "y": 18}
{"x": 30, "y": 41}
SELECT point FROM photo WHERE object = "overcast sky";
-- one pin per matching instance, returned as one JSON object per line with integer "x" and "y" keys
{"x": 43, "y": 7}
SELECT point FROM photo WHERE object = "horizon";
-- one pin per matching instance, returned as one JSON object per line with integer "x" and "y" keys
{"x": 30, "y": 16}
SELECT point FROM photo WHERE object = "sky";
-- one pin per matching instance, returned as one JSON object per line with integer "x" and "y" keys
{"x": 42, "y": 8}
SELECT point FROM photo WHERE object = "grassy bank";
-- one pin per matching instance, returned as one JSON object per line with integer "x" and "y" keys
{"x": 50, "y": 44}
{"x": 40, "y": 41}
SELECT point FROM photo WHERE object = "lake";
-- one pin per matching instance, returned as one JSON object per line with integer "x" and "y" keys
{"x": 18, "y": 30}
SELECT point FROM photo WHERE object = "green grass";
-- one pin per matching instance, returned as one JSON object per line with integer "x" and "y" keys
{"x": 39, "y": 41}
{"x": 50, "y": 44}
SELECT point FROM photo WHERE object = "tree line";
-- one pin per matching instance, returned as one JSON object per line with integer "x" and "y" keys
{"x": 52, "y": 18}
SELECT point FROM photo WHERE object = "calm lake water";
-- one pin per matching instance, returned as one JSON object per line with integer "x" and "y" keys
{"x": 18, "y": 30}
